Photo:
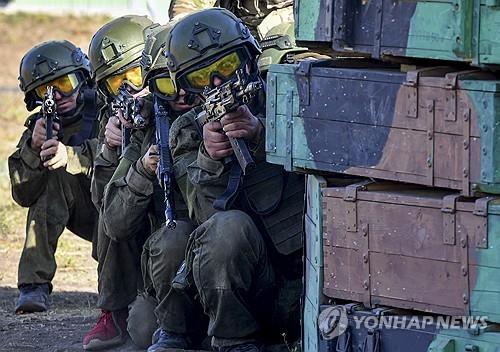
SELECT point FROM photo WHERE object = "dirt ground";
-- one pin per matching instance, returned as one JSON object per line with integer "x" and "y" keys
{"x": 73, "y": 302}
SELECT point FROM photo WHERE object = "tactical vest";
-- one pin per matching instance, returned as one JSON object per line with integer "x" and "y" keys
{"x": 273, "y": 197}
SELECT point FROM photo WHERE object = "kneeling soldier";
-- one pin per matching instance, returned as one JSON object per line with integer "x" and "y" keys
{"x": 50, "y": 170}
{"x": 244, "y": 260}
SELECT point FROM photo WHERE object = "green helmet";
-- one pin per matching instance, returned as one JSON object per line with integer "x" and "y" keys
{"x": 278, "y": 42}
{"x": 153, "y": 58}
{"x": 117, "y": 44}
{"x": 49, "y": 60}
{"x": 205, "y": 34}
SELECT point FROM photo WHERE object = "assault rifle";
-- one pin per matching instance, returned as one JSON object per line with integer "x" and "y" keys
{"x": 131, "y": 112}
{"x": 227, "y": 98}
{"x": 165, "y": 171}
{"x": 49, "y": 112}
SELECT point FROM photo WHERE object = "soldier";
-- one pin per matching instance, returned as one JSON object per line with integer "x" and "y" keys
{"x": 133, "y": 195}
{"x": 279, "y": 47}
{"x": 244, "y": 260}
{"x": 259, "y": 15}
{"x": 52, "y": 176}
{"x": 115, "y": 52}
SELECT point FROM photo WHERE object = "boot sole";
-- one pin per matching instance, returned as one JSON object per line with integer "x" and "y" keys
{"x": 95, "y": 345}
{"x": 31, "y": 307}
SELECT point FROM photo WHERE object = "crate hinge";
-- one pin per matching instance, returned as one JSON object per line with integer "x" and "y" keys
{"x": 350, "y": 198}
{"x": 302, "y": 74}
{"x": 449, "y": 219}
{"x": 481, "y": 230}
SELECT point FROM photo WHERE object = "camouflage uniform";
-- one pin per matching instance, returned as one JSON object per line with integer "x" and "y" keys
{"x": 105, "y": 162}
{"x": 244, "y": 262}
{"x": 134, "y": 208}
{"x": 181, "y": 8}
{"x": 260, "y": 15}
{"x": 263, "y": 222}
{"x": 56, "y": 199}
{"x": 114, "y": 49}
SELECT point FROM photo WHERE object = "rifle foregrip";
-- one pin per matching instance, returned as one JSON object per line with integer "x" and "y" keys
{"x": 242, "y": 154}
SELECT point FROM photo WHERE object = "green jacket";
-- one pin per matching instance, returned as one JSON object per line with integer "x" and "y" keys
{"x": 271, "y": 196}
{"x": 133, "y": 201}
{"x": 28, "y": 176}
{"x": 105, "y": 162}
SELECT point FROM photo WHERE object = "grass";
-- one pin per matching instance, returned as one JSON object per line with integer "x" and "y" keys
{"x": 20, "y": 32}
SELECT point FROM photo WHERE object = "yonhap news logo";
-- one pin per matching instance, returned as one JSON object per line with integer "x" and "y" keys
{"x": 334, "y": 321}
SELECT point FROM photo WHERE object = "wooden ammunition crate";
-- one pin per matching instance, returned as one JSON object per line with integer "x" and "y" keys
{"x": 401, "y": 246}
{"x": 456, "y": 30}
{"x": 434, "y": 126}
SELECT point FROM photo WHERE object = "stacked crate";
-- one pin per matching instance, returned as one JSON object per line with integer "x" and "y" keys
{"x": 416, "y": 111}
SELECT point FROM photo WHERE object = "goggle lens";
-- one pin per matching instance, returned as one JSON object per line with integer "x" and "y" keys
{"x": 226, "y": 66}
{"x": 165, "y": 86}
{"x": 66, "y": 85}
{"x": 132, "y": 75}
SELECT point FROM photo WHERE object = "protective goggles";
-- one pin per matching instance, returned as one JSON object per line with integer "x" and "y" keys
{"x": 224, "y": 67}
{"x": 132, "y": 76}
{"x": 66, "y": 85}
{"x": 163, "y": 86}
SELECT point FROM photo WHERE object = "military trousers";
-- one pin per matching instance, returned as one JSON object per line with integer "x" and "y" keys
{"x": 240, "y": 287}
{"x": 65, "y": 203}
{"x": 162, "y": 256}
{"x": 119, "y": 273}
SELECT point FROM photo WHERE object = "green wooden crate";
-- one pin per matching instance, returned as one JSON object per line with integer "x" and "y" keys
{"x": 484, "y": 339}
{"x": 375, "y": 122}
{"x": 313, "y": 262}
{"x": 458, "y": 30}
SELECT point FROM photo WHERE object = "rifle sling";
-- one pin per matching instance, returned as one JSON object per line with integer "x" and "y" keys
{"x": 89, "y": 116}
{"x": 226, "y": 199}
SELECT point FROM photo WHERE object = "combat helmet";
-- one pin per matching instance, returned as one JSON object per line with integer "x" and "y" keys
{"x": 117, "y": 45}
{"x": 278, "y": 45}
{"x": 154, "y": 63}
{"x": 152, "y": 56}
{"x": 203, "y": 37}
{"x": 48, "y": 61}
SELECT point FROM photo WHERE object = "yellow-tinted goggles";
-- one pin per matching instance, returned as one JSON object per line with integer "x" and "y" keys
{"x": 165, "y": 86}
{"x": 65, "y": 84}
{"x": 132, "y": 75}
{"x": 226, "y": 66}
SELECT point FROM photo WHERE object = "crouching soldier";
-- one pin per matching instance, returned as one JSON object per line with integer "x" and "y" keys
{"x": 115, "y": 52}
{"x": 50, "y": 170}
{"x": 133, "y": 207}
{"x": 244, "y": 260}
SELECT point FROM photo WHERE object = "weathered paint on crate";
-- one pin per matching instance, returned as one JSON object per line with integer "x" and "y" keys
{"x": 434, "y": 126}
{"x": 394, "y": 245}
{"x": 313, "y": 262}
{"x": 460, "y": 30}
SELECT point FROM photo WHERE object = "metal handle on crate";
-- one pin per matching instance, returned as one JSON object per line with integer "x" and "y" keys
{"x": 371, "y": 342}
